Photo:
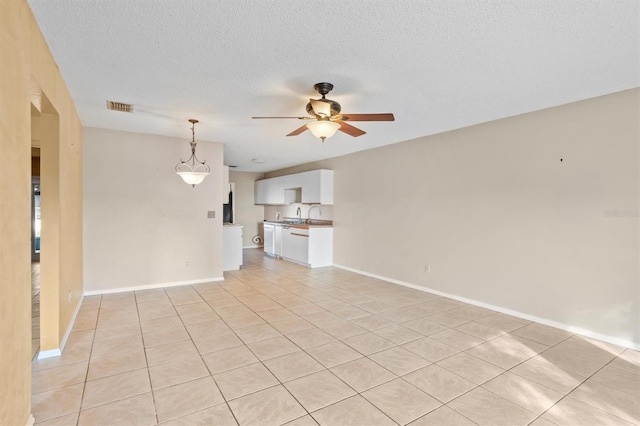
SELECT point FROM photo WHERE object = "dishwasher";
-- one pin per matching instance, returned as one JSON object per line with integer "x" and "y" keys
{"x": 269, "y": 240}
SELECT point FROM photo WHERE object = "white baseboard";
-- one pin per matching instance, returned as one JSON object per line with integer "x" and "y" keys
{"x": 31, "y": 420}
{"x": 551, "y": 323}
{"x": 246, "y": 247}
{"x": 58, "y": 351}
{"x": 49, "y": 353}
{"x": 152, "y": 286}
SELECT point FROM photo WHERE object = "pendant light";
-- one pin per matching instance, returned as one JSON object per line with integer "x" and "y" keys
{"x": 193, "y": 171}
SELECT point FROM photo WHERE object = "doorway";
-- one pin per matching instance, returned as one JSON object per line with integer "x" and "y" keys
{"x": 36, "y": 228}
{"x": 45, "y": 228}
{"x": 36, "y": 222}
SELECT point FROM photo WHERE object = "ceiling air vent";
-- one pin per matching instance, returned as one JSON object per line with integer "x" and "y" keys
{"x": 119, "y": 106}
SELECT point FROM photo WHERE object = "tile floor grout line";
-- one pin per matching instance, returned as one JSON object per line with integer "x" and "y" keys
{"x": 261, "y": 361}
{"x": 105, "y": 377}
{"x": 522, "y": 362}
{"x": 567, "y": 395}
{"x": 146, "y": 359}
{"x": 410, "y": 384}
{"x": 280, "y": 383}
{"x": 84, "y": 386}
{"x": 226, "y": 402}
{"x": 481, "y": 385}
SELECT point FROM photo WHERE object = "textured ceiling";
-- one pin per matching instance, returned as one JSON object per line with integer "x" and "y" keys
{"x": 437, "y": 65}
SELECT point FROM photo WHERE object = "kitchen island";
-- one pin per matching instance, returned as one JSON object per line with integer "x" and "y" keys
{"x": 231, "y": 247}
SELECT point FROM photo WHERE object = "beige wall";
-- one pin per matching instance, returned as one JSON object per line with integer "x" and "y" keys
{"x": 25, "y": 57}
{"x": 142, "y": 217}
{"x": 500, "y": 219}
{"x": 247, "y": 213}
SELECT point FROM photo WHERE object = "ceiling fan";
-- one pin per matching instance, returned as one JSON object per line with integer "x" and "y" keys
{"x": 325, "y": 117}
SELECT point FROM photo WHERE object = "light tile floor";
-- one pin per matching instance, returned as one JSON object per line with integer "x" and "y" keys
{"x": 276, "y": 343}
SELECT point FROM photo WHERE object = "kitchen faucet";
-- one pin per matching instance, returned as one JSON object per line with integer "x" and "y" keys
{"x": 299, "y": 213}
{"x": 311, "y": 208}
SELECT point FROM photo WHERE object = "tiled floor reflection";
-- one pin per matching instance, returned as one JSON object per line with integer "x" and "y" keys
{"x": 35, "y": 308}
{"x": 276, "y": 344}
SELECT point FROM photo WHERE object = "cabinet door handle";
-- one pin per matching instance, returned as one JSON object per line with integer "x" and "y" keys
{"x": 300, "y": 235}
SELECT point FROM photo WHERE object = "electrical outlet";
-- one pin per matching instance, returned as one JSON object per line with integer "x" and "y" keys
{"x": 69, "y": 296}
{"x": 427, "y": 269}
{"x": 186, "y": 263}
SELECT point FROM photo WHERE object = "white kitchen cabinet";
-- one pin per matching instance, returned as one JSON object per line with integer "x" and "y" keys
{"x": 317, "y": 187}
{"x": 231, "y": 247}
{"x": 295, "y": 245}
{"x": 269, "y": 234}
{"x": 320, "y": 247}
{"x": 261, "y": 190}
{"x": 310, "y": 247}
{"x": 277, "y": 241}
{"x": 270, "y": 191}
{"x": 314, "y": 187}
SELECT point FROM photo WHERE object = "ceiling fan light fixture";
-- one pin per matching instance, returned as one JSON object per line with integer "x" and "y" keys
{"x": 323, "y": 128}
{"x": 192, "y": 171}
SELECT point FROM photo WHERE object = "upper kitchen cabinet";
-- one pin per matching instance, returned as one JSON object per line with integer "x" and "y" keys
{"x": 317, "y": 187}
{"x": 269, "y": 191}
{"x": 314, "y": 187}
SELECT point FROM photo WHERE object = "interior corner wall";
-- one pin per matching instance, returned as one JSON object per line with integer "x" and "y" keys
{"x": 536, "y": 213}
{"x": 247, "y": 213}
{"x": 25, "y": 57}
{"x": 143, "y": 225}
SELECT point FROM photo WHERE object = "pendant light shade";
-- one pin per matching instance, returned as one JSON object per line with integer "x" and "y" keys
{"x": 323, "y": 128}
{"x": 193, "y": 178}
{"x": 192, "y": 171}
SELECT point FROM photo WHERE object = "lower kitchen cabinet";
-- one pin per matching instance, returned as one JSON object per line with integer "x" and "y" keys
{"x": 308, "y": 246}
{"x": 295, "y": 245}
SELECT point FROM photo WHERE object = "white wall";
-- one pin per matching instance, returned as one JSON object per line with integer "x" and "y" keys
{"x": 500, "y": 219}
{"x": 142, "y": 223}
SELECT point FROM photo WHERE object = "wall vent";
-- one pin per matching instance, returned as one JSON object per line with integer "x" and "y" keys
{"x": 119, "y": 106}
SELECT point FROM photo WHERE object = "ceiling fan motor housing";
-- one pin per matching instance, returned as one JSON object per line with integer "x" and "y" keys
{"x": 323, "y": 88}
{"x": 335, "y": 107}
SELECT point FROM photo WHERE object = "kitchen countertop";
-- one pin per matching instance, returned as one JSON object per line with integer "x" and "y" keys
{"x": 302, "y": 225}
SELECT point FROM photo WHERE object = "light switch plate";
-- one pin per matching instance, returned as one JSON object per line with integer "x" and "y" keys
{"x": 211, "y": 214}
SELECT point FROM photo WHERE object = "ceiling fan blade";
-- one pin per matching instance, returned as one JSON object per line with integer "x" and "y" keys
{"x": 298, "y": 130}
{"x": 299, "y": 118}
{"x": 350, "y": 130}
{"x": 321, "y": 107}
{"x": 369, "y": 117}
